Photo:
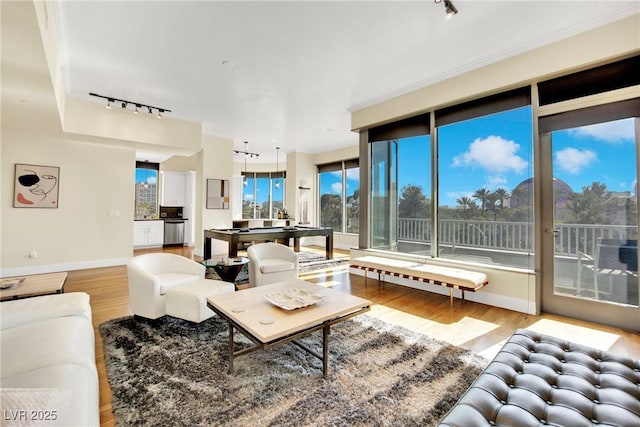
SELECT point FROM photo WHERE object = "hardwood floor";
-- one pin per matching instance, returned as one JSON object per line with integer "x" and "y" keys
{"x": 478, "y": 327}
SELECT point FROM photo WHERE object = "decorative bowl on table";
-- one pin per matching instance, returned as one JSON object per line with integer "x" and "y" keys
{"x": 293, "y": 299}
{"x": 11, "y": 282}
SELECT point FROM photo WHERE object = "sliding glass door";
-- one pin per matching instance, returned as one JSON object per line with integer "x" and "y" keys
{"x": 591, "y": 186}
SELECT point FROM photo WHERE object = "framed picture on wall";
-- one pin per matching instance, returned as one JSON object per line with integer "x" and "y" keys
{"x": 218, "y": 193}
{"x": 36, "y": 186}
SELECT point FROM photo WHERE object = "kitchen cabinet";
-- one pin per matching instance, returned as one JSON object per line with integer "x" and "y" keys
{"x": 174, "y": 188}
{"x": 148, "y": 234}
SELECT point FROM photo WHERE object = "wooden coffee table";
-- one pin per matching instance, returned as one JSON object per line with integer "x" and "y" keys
{"x": 267, "y": 325}
{"x": 32, "y": 285}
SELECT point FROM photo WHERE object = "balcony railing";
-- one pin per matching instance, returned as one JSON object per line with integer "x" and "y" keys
{"x": 570, "y": 239}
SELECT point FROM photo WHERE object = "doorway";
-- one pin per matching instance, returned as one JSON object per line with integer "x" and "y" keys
{"x": 590, "y": 216}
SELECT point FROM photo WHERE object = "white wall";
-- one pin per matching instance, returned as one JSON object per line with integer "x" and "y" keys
{"x": 95, "y": 184}
{"x": 216, "y": 161}
{"x": 592, "y": 47}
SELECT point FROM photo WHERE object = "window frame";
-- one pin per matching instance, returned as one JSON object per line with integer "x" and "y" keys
{"x": 145, "y": 165}
{"x": 272, "y": 177}
{"x": 342, "y": 166}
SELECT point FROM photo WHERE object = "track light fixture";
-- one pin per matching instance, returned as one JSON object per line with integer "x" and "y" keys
{"x": 449, "y": 9}
{"x": 246, "y": 153}
{"x": 137, "y": 106}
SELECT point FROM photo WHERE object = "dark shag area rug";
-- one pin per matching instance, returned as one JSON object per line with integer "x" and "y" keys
{"x": 173, "y": 372}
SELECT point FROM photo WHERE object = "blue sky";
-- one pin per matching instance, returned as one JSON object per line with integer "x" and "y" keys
{"x": 603, "y": 152}
{"x": 149, "y": 176}
{"x": 497, "y": 151}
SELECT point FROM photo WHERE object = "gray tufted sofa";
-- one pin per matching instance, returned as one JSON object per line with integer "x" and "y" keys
{"x": 542, "y": 380}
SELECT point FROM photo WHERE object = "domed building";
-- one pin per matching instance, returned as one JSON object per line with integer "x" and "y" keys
{"x": 522, "y": 195}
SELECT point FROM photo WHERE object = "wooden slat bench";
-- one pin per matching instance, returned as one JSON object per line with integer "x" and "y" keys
{"x": 450, "y": 277}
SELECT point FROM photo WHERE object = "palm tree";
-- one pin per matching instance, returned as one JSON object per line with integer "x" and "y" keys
{"x": 501, "y": 194}
{"x": 465, "y": 202}
{"x": 482, "y": 195}
{"x": 467, "y": 205}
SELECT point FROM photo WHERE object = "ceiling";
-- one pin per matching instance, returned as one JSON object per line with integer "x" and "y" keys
{"x": 288, "y": 73}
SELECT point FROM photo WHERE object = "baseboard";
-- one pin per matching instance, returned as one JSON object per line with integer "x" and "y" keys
{"x": 70, "y": 266}
{"x": 482, "y": 296}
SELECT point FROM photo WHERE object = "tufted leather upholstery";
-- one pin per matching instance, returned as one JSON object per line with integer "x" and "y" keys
{"x": 538, "y": 379}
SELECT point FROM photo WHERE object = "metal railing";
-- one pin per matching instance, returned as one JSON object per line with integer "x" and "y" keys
{"x": 570, "y": 239}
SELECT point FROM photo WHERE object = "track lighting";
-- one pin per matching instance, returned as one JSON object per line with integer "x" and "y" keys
{"x": 449, "y": 9}
{"x": 245, "y": 182}
{"x": 137, "y": 106}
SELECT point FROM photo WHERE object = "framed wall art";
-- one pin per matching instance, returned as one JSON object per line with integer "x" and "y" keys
{"x": 218, "y": 193}
{"x": 36, "y": 186}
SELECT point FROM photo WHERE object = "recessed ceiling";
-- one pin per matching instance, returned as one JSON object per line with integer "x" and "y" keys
{"x": 288, "y": 73}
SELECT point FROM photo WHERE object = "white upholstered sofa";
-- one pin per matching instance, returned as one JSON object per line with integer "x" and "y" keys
{"x": 152, "y": 275}
{"x": 47, "y": 361}
{"x": 271, "y": 263}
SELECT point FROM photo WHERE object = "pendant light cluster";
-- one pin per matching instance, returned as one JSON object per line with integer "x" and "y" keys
{"x": 137, "y": 106}
{"x": 277, "y": 184}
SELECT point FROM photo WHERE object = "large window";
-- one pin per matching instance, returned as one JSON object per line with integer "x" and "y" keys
{"x": 263, "y": 195}
{"x": 146, "y": 189}
{"x": 485, "y": 193}
{"x": 339, "y": 185}
{"x": 401, "y": 186}
{"x": 484, "y": 170}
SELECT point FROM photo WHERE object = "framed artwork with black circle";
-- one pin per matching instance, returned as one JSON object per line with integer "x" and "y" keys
{"x": 36, "y": 186}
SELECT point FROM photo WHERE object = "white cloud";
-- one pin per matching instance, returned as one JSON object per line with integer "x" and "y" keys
{"x": 494, "y": 154}
{"x": 152, "y": 180}
{"x": 336, "y": 187}
{"x": 493, "y": 182}
{"x": 248, "y": 197}
{"x": 573, "y": 160}
{"x": 353, "y": 173}
{"x": 612, "y": 132}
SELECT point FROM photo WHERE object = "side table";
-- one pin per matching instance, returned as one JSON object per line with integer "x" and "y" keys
{"x": 227, "y": 268}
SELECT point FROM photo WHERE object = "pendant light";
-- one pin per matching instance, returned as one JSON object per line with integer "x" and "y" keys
{"x": 277, "y": 184}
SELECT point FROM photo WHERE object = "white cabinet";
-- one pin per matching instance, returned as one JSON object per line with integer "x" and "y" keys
{"x": 174, "y": 188}
{"x": 148, "y": 233}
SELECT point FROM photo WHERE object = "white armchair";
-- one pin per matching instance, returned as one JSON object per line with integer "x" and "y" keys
{"x": 271, "y": 263}
{"x": 152, "y": 275}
